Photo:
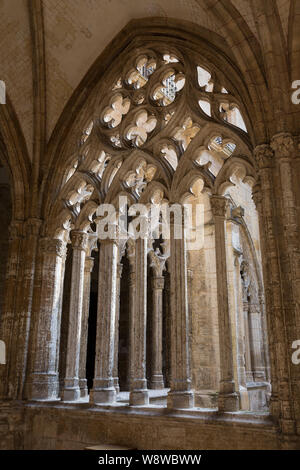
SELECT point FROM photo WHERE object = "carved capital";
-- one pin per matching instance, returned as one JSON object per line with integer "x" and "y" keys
{"x": 91, "y": 243}
{"x": 15, "y": 230}
{"x": 256, "y": 195}
{"x": 79, "y": 239}
{"x": 53, "y": 246}
{"x": 264, "y": 156}
{"x": 89, "y": 264}
{"x": 218, "y": 205}
{"x": 158, "y": 283}
{"x": 237, "y": 212}
{"x": 32, "y": 227}
{"x": 283, "y": 145}
{"x": 157, "y": 262}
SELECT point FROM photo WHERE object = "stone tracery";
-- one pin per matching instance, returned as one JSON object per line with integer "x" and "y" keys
{"x": 108, "y": 166}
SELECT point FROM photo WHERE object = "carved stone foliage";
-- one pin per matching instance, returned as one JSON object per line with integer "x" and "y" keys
{"x": 79, "y": 240}
{"x": 264, "y": 156}
{"x": 157, "y": 262}
{"x": 218, "y": 206}
{"x": 282, "y": 144}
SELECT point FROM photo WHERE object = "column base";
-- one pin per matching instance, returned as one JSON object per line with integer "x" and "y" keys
{"x": 228, "y": 402}
{"x": 71, "y": 394}
{"x": 42, "y": 387}
{"x": 116, "y": 385}
{"x": 71, "y": 390}
{"x": 103, "y": 396}
{"x": 181, "y": 399}
{"x": 83, "y": 388}
{"x": 206, "y": 398}
{"x": 157, "y": 382}
{"x": 139, "y": 397}
{"x": 244, "y": 398}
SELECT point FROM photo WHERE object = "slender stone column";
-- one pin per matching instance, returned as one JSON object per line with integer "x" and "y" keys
{"x": 24, "y": 300}
{"x": 157, "y": 380}
{"x": 228, "y": 398}
{"x": 88, "y": 268}
{"x": 240, "y": 320}
{"x": 8, "y": 314}
{"x": 265, "y": 344}
{"x": 71, "y": 391}
{"x": 167, "y": 323}
{"x": 42, "y": 382}
{"x": 245, "y": 303}
{"x": 258, "y": 367}
{"x": 248, "y": 361}
{"x": 103, "y": 386}
{"x": 116, "y": 344}
{"x": 263, "y": 195}
{"x": 137, "y": 255}
{"x": 285, "y": 152}
{"x": 180, "y": 394}
{"x": 158, "y": 264}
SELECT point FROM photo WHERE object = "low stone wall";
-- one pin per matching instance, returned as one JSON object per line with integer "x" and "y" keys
{"x": 12, "y": 426}
{"x": 76, "y": 427}
{"x": 35, "y": 426}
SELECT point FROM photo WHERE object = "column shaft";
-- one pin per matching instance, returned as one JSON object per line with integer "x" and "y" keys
{"x": 88, "y": 268}
{"x": 139, "y": 394}
{"x": 285, "y": 152}
{"x": 8, "y": 314}
{"x": 116, "y": 344}
{"x": 280, "y": 402}
{"x": 157, "y": 380}
{"x": 180, "y": 395}
{"x": 103, "y": 386}
{"x": 42, "y": 383}
{"x": 71, "y": 391}
{"x": 228, "y": 398}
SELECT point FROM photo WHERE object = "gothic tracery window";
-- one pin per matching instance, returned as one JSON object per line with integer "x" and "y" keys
{"x": 167, "y": 128}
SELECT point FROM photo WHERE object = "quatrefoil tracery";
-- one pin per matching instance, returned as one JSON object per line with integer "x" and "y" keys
{"x": 138, "y": 179}
{"x": 171, "y": 83}
{"x": 154, "y": 104}
{"x": 159, "y": 80}
{"x": 144, "y": 124}
{"x": 139, "y": 76}
{"x": 114, "y": 113}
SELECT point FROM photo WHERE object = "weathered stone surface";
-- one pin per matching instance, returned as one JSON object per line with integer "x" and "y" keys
{"x": 168, "y": 113}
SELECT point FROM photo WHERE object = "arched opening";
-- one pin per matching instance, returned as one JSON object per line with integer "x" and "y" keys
{"x": 166, "y": 313}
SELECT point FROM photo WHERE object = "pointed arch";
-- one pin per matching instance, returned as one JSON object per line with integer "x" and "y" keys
{"x": 14, "y": 155}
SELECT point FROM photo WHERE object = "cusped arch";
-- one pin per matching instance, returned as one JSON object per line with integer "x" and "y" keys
{"x": 137, "y": 33}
